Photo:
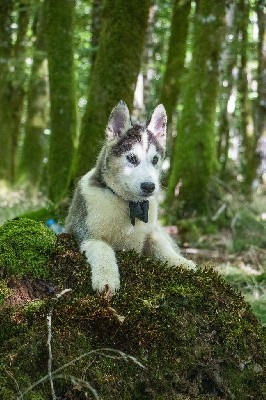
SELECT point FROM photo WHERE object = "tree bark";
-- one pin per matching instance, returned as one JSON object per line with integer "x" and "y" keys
{"x": 12, "y": 85}
{"x": 260, "y": 103}
{"x": 59, "y": 28}
{"x": 195, "y": 154}
{"x": 176, "y": 56}
{"x": 32, "y": 153}
{"x": 114, "y": 72}
{"x": 5, "y": 54}
{"x": 229, "y": 62}
{"x": 96, "y": 23}
{"x": 243, "y": 100}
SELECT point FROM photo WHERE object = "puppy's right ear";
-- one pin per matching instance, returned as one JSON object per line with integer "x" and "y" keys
{"x": 119, "y": 121}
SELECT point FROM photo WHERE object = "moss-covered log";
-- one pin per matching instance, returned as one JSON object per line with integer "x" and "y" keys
{"x": 195, "y": 155}
{"x": 114, "y": 72}
{"x": 59, "y": 29}
{"x": 195, "y": 336}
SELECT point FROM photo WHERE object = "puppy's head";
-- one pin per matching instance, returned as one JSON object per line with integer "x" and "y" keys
{"x": 134, "y": 153}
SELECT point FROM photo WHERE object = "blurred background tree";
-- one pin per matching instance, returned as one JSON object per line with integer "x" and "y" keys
{"x": 204, "y": 60}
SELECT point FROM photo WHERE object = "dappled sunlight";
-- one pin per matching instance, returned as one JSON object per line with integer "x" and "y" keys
{"x": 14, "y": 201}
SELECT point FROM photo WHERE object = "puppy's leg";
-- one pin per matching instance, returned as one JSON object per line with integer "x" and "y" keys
{"x": 160, "y": 245}
{"x": 104, "y": 269}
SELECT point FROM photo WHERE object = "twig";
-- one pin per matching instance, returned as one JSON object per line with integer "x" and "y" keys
{"x": 219, "y": 212}
{"x": 49, "y": 339}
{"x": 97, "y": 351}
{"x": 76, "y": 380}
{"x": 14, "y": 379}
{"x": 49, "y": 325}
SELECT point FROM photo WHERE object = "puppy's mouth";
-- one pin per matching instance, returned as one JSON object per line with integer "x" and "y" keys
{"x": 146, "y": 195}
{"x": 138, "y": 195}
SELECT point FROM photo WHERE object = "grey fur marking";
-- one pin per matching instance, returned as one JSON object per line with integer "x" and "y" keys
{"x": 97, "y": 179}
{"x": 126, "y": 142}
{"x": 76, "y": 220}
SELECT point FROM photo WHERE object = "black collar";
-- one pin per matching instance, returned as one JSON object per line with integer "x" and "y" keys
{"x": 137, "y": 209}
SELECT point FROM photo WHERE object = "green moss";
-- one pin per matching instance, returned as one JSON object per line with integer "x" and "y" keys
{"x": 25, "y": 247}
{"x": 196, "y": 336}
{"x": 4, "y": 291}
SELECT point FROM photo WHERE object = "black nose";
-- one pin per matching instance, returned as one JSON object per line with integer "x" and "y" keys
{"x": 147, "y": 187}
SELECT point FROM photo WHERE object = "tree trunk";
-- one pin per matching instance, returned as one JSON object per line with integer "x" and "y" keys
{"x": 229, "y": 62}
{"x": 176, "y": 56}
{"x": 195, "y": 154}
{"x": 59, "y": 29}
{"x": 32, "y": 153}
{"x": 5, "y": 54}
{"x": 114, "y": 72}
{"x": 243, "y": 100}
{"x": 12, "y": 86}
{"x": 96, "y": 23}
{"x": 260, "y": 103}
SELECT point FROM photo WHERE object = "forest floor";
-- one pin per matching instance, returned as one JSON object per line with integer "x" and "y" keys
{"x": 245, "y": 269}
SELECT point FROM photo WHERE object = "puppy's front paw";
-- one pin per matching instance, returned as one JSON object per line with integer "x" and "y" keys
{"x": 189, "y": 264}
{"x": 183, "y": 262}
{"x": 106, "y": 281}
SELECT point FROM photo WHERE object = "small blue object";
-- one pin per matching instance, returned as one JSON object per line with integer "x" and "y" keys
{"x": 56, "y": 228}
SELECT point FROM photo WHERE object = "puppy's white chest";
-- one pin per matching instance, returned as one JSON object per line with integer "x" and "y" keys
{"x": 108, "y": 219}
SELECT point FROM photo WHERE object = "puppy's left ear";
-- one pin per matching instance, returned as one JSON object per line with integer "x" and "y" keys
{"x": 158, "y": 124}
{"x": 119, "y": 121}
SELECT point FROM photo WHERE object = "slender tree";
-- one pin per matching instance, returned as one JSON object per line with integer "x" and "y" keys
{"x": 114, "y": 72}
{"x": 32, "y": 153}
{"x": 195, "y": 155}
{"x": 260, "y": 102}
{"x": 97, "y": 11}
{"x": 13, "y": 87}
{"x": 228, "y": 85}
{"x": 261, "y": 99}
{"x": 5, "y": 54}
{"x": 243, "y": 98}
{"x": 176, "y": 56}
{"x": 59, "y": 30}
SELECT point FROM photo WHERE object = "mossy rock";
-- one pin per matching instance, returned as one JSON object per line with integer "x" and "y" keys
{"x": 196, "y": 337}
{"x": 25, "y": 247}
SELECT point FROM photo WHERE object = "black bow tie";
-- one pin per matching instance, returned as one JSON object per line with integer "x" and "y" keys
{"x": 138, "y": 210}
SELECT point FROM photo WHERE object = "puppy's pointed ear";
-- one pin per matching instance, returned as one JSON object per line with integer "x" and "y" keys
{"x": 119, "y": 121}
{"x": 158, "y": 123}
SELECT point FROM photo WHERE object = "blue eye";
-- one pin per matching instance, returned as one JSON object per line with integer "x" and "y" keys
{"x": 155, "y": 160}
{"x": 132, "y": 159}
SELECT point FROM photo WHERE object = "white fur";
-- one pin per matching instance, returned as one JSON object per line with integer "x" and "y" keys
{"x": 108, "y": 220}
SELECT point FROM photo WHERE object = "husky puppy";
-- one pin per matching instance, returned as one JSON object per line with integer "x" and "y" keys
{"x": 115, "y": 205}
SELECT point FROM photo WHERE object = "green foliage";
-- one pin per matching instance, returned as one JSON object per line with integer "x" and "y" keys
{"x": 194, "y": 334}
{"x": 248, "y": 231}
{"x": 25, "y": 247}
{"x": 4, "y": 292}
{"x": 252, "y": 286}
